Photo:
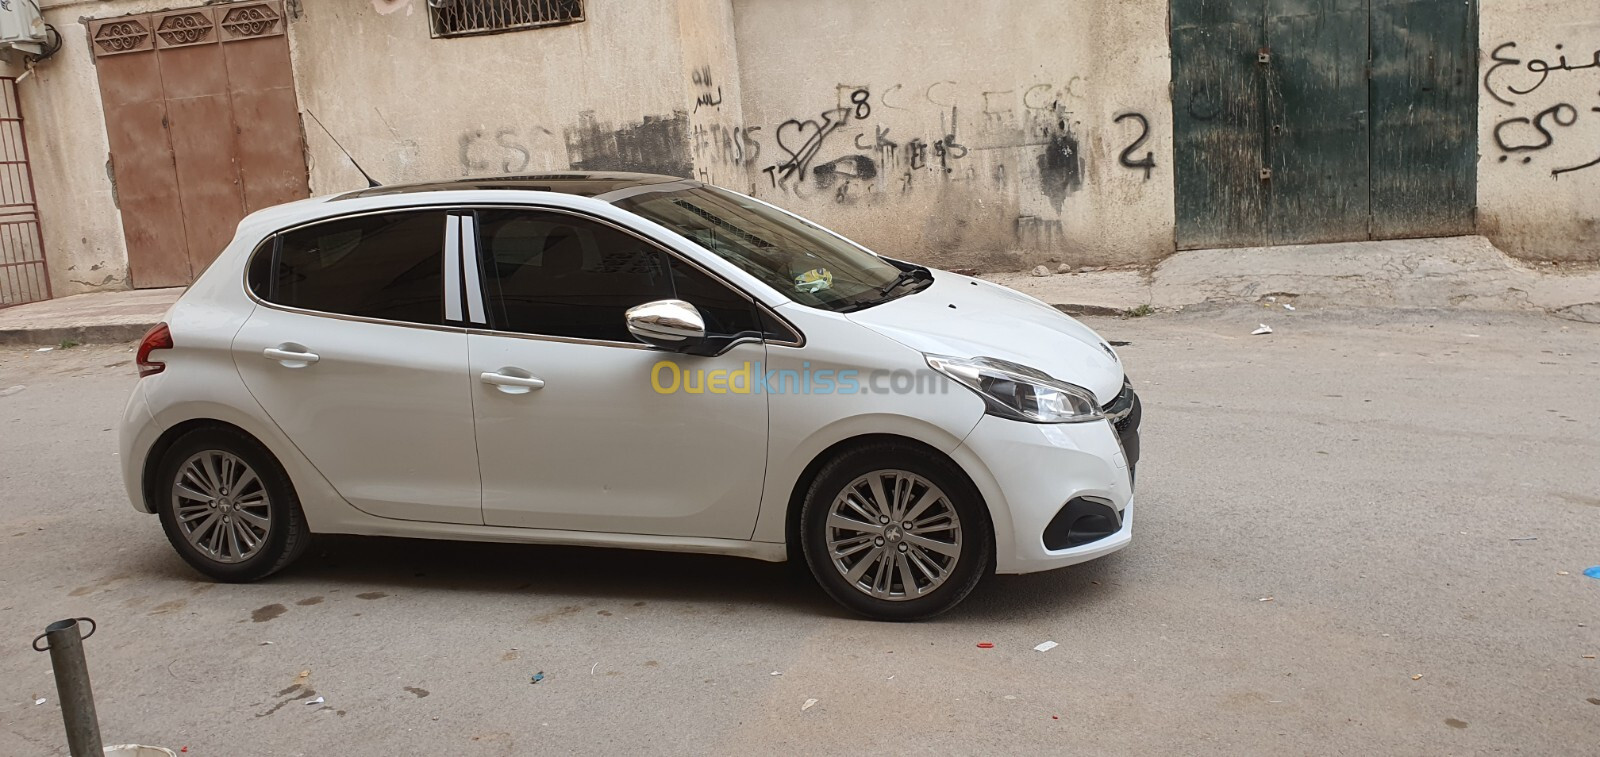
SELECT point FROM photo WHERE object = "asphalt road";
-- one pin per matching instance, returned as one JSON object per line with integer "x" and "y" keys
{"x": 1365, "y": 533}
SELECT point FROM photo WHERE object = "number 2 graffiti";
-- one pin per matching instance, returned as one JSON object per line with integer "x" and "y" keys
{"x": 1148, "y": 162}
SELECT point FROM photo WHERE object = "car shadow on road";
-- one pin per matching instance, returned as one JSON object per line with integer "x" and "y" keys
{"x": 370, "y": 562}
{"x": 554, "y": 571}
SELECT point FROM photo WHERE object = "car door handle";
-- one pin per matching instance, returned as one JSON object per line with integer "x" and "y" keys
{"x": 291, "y": 355}
{"x": 511, "y": 384}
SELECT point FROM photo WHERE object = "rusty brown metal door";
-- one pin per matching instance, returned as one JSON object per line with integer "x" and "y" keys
{"x": 203, "y": 126}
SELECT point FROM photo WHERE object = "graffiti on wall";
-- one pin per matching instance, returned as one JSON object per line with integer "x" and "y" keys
{"x": 502, "y": 150}
{"x": 1513, "y": 80}
{"x": 861, "y": 145}
{"x": 655, "y": 144}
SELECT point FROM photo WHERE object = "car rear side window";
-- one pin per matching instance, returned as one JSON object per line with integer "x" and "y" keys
{"x": 388, "y": 266}
{"x": 554, "y": 274}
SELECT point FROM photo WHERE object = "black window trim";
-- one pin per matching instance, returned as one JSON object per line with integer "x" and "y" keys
{"x": 469, "y": 210}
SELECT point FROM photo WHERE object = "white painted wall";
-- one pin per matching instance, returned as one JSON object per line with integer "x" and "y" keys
{"x": 1538, "y": 127}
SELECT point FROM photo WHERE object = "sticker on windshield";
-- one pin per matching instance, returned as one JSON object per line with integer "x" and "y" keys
{"x": 814, "y": 280}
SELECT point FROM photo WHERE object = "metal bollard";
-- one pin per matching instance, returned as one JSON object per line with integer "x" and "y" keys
{"x": 72, "y": 684}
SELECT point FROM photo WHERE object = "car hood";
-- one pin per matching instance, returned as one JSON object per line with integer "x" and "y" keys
{"x": 961, "y": 316}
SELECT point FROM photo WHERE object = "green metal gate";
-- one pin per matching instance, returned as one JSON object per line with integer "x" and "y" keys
{"x": 1299, "y": 121}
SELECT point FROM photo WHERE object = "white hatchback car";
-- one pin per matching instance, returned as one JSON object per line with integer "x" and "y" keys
{"x": 624, "y": 360}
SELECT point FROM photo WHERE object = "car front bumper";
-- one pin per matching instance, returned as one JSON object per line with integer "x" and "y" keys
{"x": 1030, "y": 472}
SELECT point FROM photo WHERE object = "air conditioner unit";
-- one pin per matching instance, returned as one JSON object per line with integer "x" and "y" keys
{"x": 21, "y": 27}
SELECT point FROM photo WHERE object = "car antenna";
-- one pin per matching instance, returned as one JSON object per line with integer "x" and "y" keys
{"x": 370, "y": 183}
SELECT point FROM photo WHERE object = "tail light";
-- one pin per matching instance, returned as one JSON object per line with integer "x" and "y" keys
{"x": 157, "y": 338}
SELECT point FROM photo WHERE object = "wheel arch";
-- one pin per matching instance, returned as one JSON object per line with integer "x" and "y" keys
{"x": 148, "y": 485}
{"x": 844, "y": 446}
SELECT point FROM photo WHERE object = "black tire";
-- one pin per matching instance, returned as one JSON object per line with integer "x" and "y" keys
{"x": 976, "y": 544}
{"x": 287, "y": 536}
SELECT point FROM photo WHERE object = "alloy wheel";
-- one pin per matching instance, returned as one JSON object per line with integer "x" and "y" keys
{"x": 893, "y": 535}
{"x": 221, "y": 506}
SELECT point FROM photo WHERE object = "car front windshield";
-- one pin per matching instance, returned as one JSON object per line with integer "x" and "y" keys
{"x": 807, "y": 264}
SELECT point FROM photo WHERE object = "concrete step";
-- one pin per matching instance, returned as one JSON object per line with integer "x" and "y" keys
{"x": 102, "y": 317}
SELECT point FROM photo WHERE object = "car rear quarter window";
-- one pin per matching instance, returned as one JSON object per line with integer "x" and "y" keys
{"x": 388, "y": 266}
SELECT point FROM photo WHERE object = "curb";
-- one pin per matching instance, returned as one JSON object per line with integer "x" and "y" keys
{"x": 106, "y": 333}
{"x": 1077, "y": 310}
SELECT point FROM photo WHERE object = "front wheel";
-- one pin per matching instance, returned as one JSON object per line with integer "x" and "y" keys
{"x": 895, "y": 532}
{"x": 228, "y": 506}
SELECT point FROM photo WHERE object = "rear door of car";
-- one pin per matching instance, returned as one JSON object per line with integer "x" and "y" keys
{"x": 357, "y": 353}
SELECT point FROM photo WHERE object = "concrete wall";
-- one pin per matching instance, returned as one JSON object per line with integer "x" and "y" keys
{"x": 607, "y": 93}
{"x": 1539, "y": 128}
{"x": 957, "y": 135}
{"x": 997, "y": 136}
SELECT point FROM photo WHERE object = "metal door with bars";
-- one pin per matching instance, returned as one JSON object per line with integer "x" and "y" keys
{"x": 204, "y": 128}
{"x": 1299, "y": 121}
{"x": 23, "y": 277}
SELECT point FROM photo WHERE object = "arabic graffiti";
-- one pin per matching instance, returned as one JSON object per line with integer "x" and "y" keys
{"x": 707, "y": 97}
{"x": 1511, "y": 79}
{"x": 1533, "y": 65}
{"x": 1562, "y": 114}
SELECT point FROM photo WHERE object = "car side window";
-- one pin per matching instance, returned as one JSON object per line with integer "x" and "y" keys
{"x": 388, "y": 266}
{"x": 726, "y": 312}
{"x": 554, "y": 274}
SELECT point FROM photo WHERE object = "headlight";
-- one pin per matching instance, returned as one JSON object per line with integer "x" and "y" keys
{"x": 1019, "y": 392}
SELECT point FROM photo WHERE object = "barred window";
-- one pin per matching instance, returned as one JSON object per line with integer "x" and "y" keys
{"x": 459, "y": 18}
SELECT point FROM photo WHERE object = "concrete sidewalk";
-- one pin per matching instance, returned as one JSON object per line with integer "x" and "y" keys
{"x": 1464, "y": 273}
{"x": 87, "y": 318}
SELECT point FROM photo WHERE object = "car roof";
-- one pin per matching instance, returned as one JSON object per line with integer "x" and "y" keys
{"x": 581, "y": 183}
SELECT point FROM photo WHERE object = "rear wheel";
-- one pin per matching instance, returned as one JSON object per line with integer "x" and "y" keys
{"x": 227, "y": 506}
{"x": 894, "y": 532}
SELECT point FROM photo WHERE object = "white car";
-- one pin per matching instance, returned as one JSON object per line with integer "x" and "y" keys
{"x": 624, "y": 360}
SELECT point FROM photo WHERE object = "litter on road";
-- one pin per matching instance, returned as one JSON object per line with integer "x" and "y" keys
{"x": 986, "y": 645}
{"x": 1046, "y": 646}
{"x": 318, "y": 700}
{"x": 537, "y": 677}
{"x": 1593, "y": 572}
{"x": 808, "y": 705}
{"x": 1265, "y": 599}
{"x": 1524, "y": 538}
{"x": 38, "y": 702}
{"x": 1262, "y": 329}
{"x": 1416, "y": 676}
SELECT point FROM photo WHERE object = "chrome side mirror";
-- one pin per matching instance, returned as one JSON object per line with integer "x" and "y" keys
{"x": 668, "y": 324}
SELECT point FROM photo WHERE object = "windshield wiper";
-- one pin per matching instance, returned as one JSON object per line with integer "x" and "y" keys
{"x": 906, "y": 276}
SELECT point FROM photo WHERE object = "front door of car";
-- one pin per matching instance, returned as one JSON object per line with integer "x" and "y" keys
{"x": 581, "y": 427}
{"x": 352, "y": 355}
